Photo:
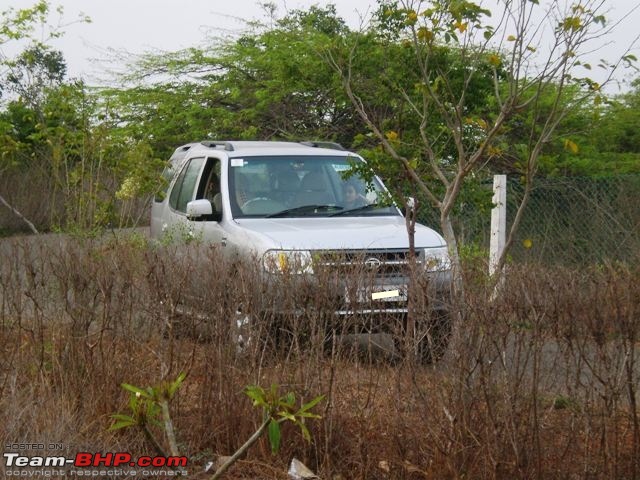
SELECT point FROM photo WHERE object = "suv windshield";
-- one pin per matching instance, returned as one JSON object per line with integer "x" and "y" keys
{"x": 301, "y": 186}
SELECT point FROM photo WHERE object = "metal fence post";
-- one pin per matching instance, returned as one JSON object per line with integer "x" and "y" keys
{"x": 498, "y": 221}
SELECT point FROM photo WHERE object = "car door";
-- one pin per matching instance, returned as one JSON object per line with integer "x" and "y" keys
{"x": 176, "y": 226}
{"x": 159, "y": 203}
{"x": 210, "y": 229}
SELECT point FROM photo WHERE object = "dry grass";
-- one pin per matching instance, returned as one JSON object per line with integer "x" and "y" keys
{"x": 543, "y": 383}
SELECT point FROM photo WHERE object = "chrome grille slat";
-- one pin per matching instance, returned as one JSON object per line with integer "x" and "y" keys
{"x": 391, "y": 263}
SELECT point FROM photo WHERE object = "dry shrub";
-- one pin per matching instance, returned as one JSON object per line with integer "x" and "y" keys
{"x": 543, "y": 384}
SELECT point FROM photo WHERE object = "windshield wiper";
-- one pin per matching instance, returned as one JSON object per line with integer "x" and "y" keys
{"x": 357, "y": 209}
{"x": 303, "y": 208}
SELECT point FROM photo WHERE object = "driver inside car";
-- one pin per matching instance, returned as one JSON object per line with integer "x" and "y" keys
{"x": 252, "y": 202}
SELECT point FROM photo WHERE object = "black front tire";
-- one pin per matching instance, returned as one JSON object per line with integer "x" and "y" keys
{"x": 427, "y": 343}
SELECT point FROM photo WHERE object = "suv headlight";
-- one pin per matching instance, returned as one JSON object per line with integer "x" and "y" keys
{"x": 437, "y": 259}
{"x": 287, "y": 261}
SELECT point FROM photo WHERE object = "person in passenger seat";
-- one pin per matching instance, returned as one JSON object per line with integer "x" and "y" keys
{"x": 352, "y": 199}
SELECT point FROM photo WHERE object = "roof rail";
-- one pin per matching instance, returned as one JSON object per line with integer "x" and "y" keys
{"x": 330, "y": 145}
{"x": 216, "y": 143}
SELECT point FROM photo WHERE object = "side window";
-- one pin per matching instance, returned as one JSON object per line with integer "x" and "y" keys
{"x": 175, "y": 192}
{"x": 210, "y": 181}
{"x": 167, "y": 175}
{"x": 210, "y": 188}
{"x": 185, "y": 185}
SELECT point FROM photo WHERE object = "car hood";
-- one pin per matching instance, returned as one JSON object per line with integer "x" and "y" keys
{"x": 322, "y": 233}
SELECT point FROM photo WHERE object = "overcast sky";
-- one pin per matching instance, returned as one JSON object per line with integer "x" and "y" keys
{"x": 137, "y": 26}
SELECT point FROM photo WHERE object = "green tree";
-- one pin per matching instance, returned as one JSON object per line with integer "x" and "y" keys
{"x": 456, "y": 133}
{"x": 268, "y": 83}
{"x": 598, "y": 138}
{"x": 16, "y": 25}
{"x": 615, "y": 137}
{"x": 532, "y": 91}
{"x": 37, "y": 69}
{"x": 65, "y": 134}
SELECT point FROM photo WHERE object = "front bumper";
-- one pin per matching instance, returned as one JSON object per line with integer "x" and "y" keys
{"x": 357, "y": 296}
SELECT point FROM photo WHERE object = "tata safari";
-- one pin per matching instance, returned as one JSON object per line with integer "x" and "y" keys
{"x": 300, "y": 208}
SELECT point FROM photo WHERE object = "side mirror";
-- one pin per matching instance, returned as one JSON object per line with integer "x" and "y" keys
{"x": 196, "y": 209}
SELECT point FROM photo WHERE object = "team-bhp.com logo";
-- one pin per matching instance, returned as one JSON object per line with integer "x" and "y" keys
{"x": 93, "y": 460}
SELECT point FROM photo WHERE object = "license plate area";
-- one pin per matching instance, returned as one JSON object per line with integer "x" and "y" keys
{"x": 376, "y": 293}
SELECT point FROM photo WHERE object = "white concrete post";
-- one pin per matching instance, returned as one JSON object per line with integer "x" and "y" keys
{"x": 498, "y": 221}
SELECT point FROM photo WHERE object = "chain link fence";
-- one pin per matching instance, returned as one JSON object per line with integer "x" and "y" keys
{"x": 577, "y": 221}
{"x": 568, "y": 221}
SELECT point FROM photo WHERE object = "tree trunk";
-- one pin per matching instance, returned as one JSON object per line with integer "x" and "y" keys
{"x": 456, "y": 316}
{"x": 454, "y": 255}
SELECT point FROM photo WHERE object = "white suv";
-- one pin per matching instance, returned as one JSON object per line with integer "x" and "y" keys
{"x": 296, "y": 207}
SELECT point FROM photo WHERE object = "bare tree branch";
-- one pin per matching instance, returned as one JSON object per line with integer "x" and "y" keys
{"x": 19, "y": 215}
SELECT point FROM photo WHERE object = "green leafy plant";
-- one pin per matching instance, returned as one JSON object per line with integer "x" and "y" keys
{"x": 276, "y": 409}
{"x": 150, "y": 407}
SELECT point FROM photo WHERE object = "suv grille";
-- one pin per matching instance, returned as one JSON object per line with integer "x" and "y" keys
{"x": 378, "y": 263}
